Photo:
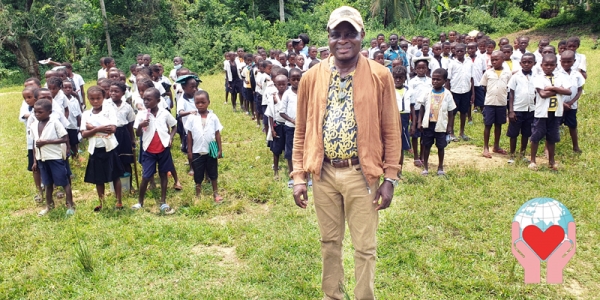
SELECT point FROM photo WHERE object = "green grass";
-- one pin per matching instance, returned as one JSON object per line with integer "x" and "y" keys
{"x": 441, "y": 238}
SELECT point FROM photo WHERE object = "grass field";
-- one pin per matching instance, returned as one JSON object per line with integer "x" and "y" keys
{"x": 441, "y": 238}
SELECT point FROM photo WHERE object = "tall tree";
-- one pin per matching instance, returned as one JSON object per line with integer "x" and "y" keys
{"x": 14, "y": 34}
{"x": 281, "y": 11}
{"x": 105, "y": 22}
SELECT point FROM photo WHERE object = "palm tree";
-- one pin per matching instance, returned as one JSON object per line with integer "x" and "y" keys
{"x": 392, "y": 9}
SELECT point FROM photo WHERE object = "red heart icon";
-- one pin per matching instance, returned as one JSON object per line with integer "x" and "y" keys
{"x": 543, "y": 243}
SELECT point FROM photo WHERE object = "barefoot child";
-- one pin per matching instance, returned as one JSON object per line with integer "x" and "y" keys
{"x": 124, "y": 131}
{"x": 521, "y": 105}
{"x": 49, "y": 157}
{"x": 460, "y": 72}
{"x": 158, "y": 127}
{"x": 403, "y": 99}
{"x": 548, "y": 109}
{"x": 204, "y": 134}
{"x": 98, "y": 125}
{"x": 495, "y": 84}
{"x": 435, "y": 115}
{"x": 577, "y": 80}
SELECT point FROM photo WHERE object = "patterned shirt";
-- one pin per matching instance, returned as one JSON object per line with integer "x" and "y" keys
{"x": 339, "y": 126}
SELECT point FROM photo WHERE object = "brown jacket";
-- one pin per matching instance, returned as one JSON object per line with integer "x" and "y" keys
{"x": 377, "y": 119}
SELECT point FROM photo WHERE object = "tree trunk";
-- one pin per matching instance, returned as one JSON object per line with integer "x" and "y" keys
{"x": 281, "y": 11}
{"x": 105, "y": 21}
{"x": 25, "y": 56}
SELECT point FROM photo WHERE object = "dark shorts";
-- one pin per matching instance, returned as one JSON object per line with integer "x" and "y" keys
{"x": 493, "y": 114}
{"x": 429, "y": 136}
{"x": 417, "y": 133}
{"x": 463, "y": 102}
{"x": 236, "y": 86}
{"x": 258, "y": 103}
{"x": 521, "y": 126}
{"x": 202, "y": 164}
{"x": 569, "y": 118}
{"x": 289, "y": 141}
{"x": 54, "y": 172}
{"x": 29, "y": 159}
{"x": 479, "y": 96}
{"x": 546, "y": 127}
{"x": 277, "y": 145}
{"x": 150, "y": 160}
{"x": 227, "y": 89}
{"x": 248, "y": 96}
{"x": 73, "y": 137}
{"x": 405, "y": 118}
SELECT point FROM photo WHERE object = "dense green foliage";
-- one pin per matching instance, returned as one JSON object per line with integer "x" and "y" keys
{"x": 202, "y": 30}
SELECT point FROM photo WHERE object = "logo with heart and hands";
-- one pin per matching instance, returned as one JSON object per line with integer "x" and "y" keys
{"x": 543, "y": 229}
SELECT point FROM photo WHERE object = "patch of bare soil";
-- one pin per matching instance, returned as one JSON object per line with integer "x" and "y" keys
{"x": 464, "y": 156}
{"x": 227, "y": 254}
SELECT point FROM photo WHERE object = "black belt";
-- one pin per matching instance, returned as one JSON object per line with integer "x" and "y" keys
{"x": 341, "y": 163}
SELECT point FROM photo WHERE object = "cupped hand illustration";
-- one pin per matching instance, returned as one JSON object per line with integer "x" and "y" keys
{"x": 526, "y": 257}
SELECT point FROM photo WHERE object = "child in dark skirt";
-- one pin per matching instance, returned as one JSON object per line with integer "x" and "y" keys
{"x": 98, "y": 125}
{"x": 124, "y": 132}
{"x": 203, "y": 129}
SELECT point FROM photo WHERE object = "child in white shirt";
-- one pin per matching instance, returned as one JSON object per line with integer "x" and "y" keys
{"x": 203, "y": 134}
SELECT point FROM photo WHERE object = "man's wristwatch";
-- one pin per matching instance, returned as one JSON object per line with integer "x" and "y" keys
{"x": 392, "y": 181}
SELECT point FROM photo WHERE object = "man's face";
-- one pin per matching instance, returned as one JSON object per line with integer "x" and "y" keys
{"x": 345, "y": 41}
{"x": 380, "y": 39}
{"x": 393, "y": 41}
{"x": 240, "y": 52}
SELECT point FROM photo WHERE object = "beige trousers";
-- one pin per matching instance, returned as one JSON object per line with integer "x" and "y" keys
{"x": 341, "y": 195}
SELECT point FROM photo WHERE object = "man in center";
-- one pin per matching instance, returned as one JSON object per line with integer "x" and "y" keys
{"x": 347, "y": 136}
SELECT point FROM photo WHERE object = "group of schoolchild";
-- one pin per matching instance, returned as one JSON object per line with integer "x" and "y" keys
{"x": 534, "y": 92}
{"x": 118, "y": 115}
{"x": 267, "y": 84}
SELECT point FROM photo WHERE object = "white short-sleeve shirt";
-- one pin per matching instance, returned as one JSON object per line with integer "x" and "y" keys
{"x": 419, "y": 86}
{"x": 479, "y": 67}
{"x": 580, "y": 63}
{"x": 289, "y": 102}
{"x": 53, "y": 130}
{"x": 161, "y": 123}
{"x": 446, "y": 106}
{"x": 125, "y": 114}
{"x": 542, "y": 104}
{"x": 74, "y": 112}
{"x": 460, "y": 74}
{"x": 184, "y": 104}
{"x": 577, "y": 81}
{"x": 79, "y": 83}
{"x": 203, "y": 134}
{"x": 522, "y": 85}
{"x": 105, "y": 117}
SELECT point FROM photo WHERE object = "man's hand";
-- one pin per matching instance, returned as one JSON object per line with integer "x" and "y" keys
{"x": 385, "y": 192}
{"x": 300, "y": 195}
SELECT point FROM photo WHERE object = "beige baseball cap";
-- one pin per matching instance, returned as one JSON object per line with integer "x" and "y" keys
{"x": 346, "y": 14}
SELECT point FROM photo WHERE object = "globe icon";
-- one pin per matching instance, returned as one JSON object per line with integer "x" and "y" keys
{"x": 543, "y": 213}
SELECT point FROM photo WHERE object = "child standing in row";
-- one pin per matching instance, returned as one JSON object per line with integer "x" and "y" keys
{"x": 460, "y": 72}
{"x": 124, "y": 131}
{"x": 98, "y": 125}
{"x": 403, "y": 99}
{"x": 276, "y": 134}
{"x": 434, "y": 120}
{"x": 521, "y": 105}
{"x": 418, "y": 85}
{"x": 288, "y": 112}
{"x": 203, "y": 134}
{"x": 49, "y": 157}
{"x": 158, "y": 127}
{"x": 548, "y": 109}
{"x": 74, "y": 119}
{"x": 495, "y": 84}
{"x": 186, "y": 108}
{"x": 577, "y": 81}
{"x": 28, "y": 116}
